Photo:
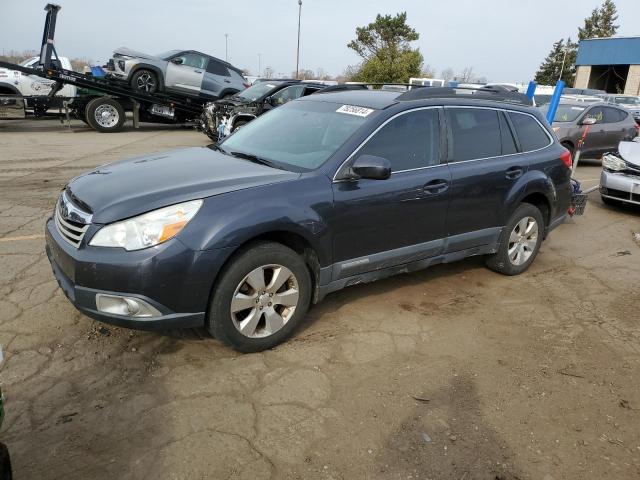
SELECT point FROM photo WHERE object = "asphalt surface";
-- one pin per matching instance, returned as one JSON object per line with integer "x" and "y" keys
{"x": 453, "y": 372}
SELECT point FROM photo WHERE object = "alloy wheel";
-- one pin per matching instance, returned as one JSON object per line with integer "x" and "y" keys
{"x": 523, "y": 241}
{"x": 146, "y": 82}
{"x": 264, "y": 301}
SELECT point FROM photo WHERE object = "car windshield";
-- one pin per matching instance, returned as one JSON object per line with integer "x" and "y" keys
{"x": 258, "y": 90}
{"x": 299, "y": 136}
{"x": 628, "y": 101}
{"x": 565, "y": 113}
{"x": 168, "y": 55}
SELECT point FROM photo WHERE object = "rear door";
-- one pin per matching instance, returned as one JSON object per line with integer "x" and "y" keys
{"x": 484, "y": 165}
{"x": 217, "y": 78}
{"x": 185, "y": 72}
{"x": 382, "y": 223}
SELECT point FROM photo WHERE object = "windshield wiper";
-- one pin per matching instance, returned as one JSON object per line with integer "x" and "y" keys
{"x": 255, "y": 159}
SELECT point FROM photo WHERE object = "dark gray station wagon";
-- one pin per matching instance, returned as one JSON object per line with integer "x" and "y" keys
{"x": 324, "y": 192}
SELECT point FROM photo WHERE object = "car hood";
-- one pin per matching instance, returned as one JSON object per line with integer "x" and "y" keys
{"x": 630, "y": 152}
{"x": 124, "y": 189}
{"x": 133, "y": 53}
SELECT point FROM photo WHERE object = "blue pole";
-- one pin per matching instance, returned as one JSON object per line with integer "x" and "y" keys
{"x": 531, "y": 89}
{"x": 555, "y": 101}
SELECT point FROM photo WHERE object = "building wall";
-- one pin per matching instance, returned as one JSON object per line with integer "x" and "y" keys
{"x": 633, "y": 81}
{"x": 582, "y": 76}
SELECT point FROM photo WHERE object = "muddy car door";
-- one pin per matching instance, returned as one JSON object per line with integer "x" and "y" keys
{"x": 185, "y": 72}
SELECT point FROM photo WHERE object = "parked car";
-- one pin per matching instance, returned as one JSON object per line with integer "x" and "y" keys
{"x": 222, "y": 117}
{"x": 630, "y": 102}
{"x": 608, "y": 126}
{"x": 184, "y": 71}
{"x": 327, "y": 191}
{"x": 583, "y": 91}
{"x": 620, "y": 178}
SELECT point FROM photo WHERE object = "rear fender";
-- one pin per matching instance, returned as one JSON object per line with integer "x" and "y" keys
{"x": 534, "y": 181}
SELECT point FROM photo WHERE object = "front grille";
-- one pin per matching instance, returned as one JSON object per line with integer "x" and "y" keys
{"x": 71, "y": 230}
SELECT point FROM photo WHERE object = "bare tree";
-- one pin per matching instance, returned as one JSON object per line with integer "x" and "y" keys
{"x": 428, "y": 72}
{"x": 466, "y": 75}
{"x": 447, "y": 74}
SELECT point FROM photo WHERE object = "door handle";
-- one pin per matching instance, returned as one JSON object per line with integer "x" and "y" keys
{"x": 513, "y": 173}
{"x": 436, "y": 186}
{"x": 227, "y": 81}
{"x": 198, "y": 71}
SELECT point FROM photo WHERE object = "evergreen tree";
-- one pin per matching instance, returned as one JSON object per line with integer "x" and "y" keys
{"x": 549, "y": 71}
{"x": 601, "y": 23}
{"x": 384, "y": 46}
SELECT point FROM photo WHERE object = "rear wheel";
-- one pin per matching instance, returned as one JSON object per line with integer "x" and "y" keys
{"x": 262, "y": 296}
{"x": 519, "y": 242}
{"x": 145, "y": 81}
{"x": 104, "y": 114}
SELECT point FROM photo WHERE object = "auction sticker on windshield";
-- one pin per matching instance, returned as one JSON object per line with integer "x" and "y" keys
{"x": 353, "y": 110}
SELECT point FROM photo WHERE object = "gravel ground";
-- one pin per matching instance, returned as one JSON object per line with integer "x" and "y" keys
{"x": 453, "y": 372}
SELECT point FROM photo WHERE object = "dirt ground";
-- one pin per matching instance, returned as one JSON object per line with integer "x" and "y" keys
{"x": 451, "y": 373}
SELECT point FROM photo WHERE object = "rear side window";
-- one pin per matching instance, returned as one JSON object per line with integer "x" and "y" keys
{"x": 613, "y": 115}
{"x": 475, "y": 133}
{"x": 532, "y": 136}
{"x": 217, "y": 68}
{"x": 409, "y": 141}
{"x": 508, "y": 143}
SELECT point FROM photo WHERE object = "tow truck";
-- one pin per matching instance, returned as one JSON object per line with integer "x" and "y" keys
{"x": 100, "y": 101}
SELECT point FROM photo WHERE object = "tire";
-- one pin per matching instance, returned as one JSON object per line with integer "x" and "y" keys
{"x": 502, "y": 261}
{"x": 145, "y": 80}
{"x": 265, "y": 321}
{"x": 239, "y": 124}
{"x": 104, "y": 114}
{"x": 5, "y": 463}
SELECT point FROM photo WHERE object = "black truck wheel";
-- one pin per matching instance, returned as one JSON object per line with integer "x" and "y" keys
{"x": 105, "y": 114}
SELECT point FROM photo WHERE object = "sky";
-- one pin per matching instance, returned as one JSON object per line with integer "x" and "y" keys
{"x": 503, "y": 40}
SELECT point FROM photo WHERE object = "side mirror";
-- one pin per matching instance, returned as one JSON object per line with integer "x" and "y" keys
{"x": 588, "y": 121}
{"x": 371, "y": 167}
{"x": 177, "y": 61}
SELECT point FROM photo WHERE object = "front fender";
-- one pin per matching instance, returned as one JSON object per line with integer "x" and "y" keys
{"x": 298, "y": 206}
{"x": 532, "y": 182}
{"x": 147, "y": 66}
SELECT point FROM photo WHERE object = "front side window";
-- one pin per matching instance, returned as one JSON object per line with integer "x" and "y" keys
{"x": 531, "y": 135}
{"x": 299, "y": 136}
{"x": 474, "y": 132}
{"x": 287, "y": 94}
{"x": 192, "y": 60}
{"x": 410, "y": 140}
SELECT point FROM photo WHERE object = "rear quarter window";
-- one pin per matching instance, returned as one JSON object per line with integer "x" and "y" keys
{"x": 531, "y": 134}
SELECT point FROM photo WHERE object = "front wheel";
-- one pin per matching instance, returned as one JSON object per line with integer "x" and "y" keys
{"x": 263, "y": 294}
{"x": 519, "y": 242}
{"x": 145, "y": 80}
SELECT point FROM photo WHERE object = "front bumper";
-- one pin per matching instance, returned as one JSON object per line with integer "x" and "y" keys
{"x": 620, "y": 186}
{"x": 171, "y": 277}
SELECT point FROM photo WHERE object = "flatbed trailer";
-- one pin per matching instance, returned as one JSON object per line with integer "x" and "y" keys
{"x": 102, "y": 102}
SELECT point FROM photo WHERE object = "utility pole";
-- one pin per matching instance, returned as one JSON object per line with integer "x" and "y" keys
{"x": 298, "y": 51}
{"x": 226, "y": 47}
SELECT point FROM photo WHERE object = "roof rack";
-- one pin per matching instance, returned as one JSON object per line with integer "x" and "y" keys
{"x": 495, "y": 94}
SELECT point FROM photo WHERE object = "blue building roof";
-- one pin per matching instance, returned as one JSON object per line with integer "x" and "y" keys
{"x": 609, "y": 51}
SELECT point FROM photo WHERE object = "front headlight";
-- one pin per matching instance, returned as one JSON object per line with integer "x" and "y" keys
{"x": 613, "y": 163}
{"x": 148, "y": 229}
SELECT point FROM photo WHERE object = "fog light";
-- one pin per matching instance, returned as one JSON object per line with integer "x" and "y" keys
{"x": 125, "y": 306}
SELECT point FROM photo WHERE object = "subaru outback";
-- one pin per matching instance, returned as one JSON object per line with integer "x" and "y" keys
{"x": 327, "y": 191}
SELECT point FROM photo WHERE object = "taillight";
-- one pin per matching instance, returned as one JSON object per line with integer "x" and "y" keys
{"x": 566, "y": 158}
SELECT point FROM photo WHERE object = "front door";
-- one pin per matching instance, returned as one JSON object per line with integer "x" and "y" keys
{"x": 185, "y": 72}
{"x": 483, "y": 170}
{"x": 383, "y": 223}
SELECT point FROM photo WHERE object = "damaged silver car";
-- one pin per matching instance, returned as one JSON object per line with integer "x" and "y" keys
{"x": 620, "y": 179}
{"x": 181, "y": 71}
